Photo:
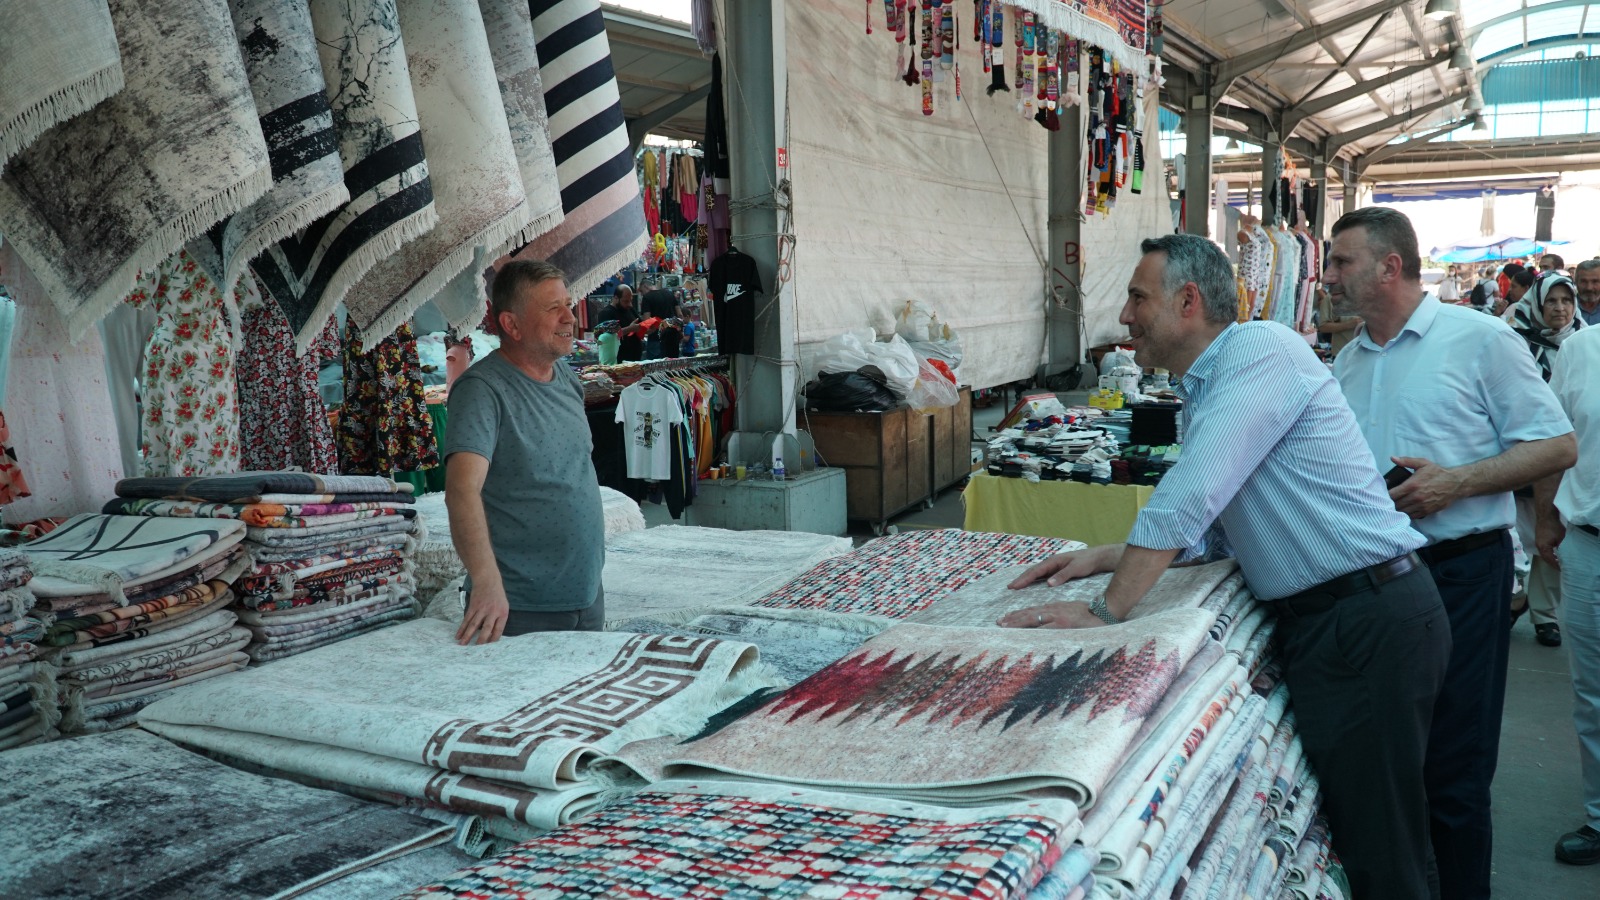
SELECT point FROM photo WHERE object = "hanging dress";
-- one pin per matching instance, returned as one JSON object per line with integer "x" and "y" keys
{"x": 191, "y": 410}
{"x": 283, "y": 423}
{"x": 384, "y": 426}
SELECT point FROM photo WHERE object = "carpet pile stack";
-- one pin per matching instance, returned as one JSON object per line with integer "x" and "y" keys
{"x": 138, "y": 608}
{"x": 330, "y": 555}
{"x": 28, "y": 712}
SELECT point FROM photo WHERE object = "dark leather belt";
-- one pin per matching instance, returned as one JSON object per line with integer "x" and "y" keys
{"x": 1433, "y": 554}
{"x": 1589, "y": 529}
{"x": 1321, "y": 598}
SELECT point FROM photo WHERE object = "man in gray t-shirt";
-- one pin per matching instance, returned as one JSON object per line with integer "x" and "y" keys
{"x": 524, "y": 501}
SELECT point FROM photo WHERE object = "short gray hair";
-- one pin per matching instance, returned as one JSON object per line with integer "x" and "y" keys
{"x": 1388, "y": 231}
{"x": 1589, "y": 265}
{"x": 1191, "y": 258}
{"x": 506, "y": 294}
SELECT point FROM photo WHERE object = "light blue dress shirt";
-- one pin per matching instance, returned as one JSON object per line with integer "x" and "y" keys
{"x": 1454, "y": 386}
{"x": 1274, "y": 465}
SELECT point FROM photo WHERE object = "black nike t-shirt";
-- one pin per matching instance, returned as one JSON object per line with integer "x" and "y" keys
{"x": 735, "y": 284}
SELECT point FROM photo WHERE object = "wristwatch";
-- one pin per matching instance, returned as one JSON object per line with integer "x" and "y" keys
{"x": 1103, "y": 612}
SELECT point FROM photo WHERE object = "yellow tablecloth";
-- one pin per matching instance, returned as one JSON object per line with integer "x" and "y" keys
{"x": 1092, "y": 513}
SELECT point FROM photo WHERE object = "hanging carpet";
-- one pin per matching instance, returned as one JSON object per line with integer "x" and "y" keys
{"x": 477, "y": 185}
{"x": 291, "y": 99}
{"x": 115, "y": 191}
{"x": 48, "y": 74}
{"x": 385, "y": 169}
{"x": 714, "y": 840}
{"x": 984, "y": 601}
{"x": 132, "y": 815}
{"x": 965, "y": 715}
{"x": 603, "y": 226}
{"x": 903, "y": 573}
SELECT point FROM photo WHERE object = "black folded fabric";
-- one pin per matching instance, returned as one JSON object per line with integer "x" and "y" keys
{"x": 248, "y": 487}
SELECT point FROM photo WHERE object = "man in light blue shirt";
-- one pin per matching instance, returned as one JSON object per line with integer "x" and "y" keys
{"x": 1274, "y": 470}
{"x": 1453, "y": 399}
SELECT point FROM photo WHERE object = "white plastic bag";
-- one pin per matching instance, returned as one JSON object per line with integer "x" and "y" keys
{"x": 853, "y": 350}
{"x": 1121, "y": 356}
{"x": 916, "y": 322}
{"x": 933, "y": 388}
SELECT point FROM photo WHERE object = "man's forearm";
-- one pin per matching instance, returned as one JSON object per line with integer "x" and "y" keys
{"x": 469, "y": 531}
{"x": 1524, "y": 464}
{"x": 1544, "y": 497}
{"x": 1138, "y": 569}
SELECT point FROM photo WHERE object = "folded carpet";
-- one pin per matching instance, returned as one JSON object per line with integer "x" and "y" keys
{"x": 901, "y": 574}
{"x": 106, "y": 552}
{"x": 986, "y": 599}
{"x": 963, "y": 715}
{"x": 676, "y": 570}
{"x": 49, "y": 74}
{"x": 748, "y": 840}
{"x": 158, "y": 820}
{"x": 249, "y": 487}
{"x": 116, "y": 190}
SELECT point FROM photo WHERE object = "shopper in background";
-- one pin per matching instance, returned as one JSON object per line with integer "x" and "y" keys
{"x": 1455, "y": 402}
{"x": 1339, "y": 329}
{"x": 1449, "y": 286}
{"x": 630, "y": 337}
{"x": 1568, "y": 509}
{"x": 1552, "y": 262}
{"x": 524, "y": 500}
{"x": 1587, "y": 278}
{"x": 1520, "y": 285}
{"x": 1280, "y": 478}
{"x": 1503, "y": 280}
{"x": 657, "y": 303}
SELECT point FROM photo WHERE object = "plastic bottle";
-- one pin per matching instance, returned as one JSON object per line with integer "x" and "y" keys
{"x": 777, "y": 468}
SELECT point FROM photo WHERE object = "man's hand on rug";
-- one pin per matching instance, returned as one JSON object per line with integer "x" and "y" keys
{"x": 1064, "y": 614}
{"x": 486, "y": 615}
{"x": 1065, "y": 567}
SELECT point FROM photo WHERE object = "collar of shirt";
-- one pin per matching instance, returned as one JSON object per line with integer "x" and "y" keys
{"x": 1422, "y": 319}
{"x": 1193, "y": 381}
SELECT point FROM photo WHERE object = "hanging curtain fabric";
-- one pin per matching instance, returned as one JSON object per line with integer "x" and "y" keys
{"x": 1486, "y": 225}
{"x": 62, "y": 436}
{"x": 283, "y": 423}
{"x": 384, "y": 425}
{"x": 191, "y": 416}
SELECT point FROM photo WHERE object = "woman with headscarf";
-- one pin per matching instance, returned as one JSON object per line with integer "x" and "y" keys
{"x": 1546, "y": 316}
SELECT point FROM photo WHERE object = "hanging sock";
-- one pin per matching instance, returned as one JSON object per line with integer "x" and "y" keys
{"x": 927, "y": 57}
{"x": 997, "y": 45}
{"x": 937, "y": 50}
{"x": 947, "y": 34}
{"x": 901, "y": 23}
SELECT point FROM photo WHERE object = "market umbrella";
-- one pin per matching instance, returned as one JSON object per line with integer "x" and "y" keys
{"x": 1490, "y": 248}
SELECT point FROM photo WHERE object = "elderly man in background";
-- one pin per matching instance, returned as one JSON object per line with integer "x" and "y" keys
{"x": 524, "y": 500}
{"x": 1280, "y": 478}
{"x": 1454, "y": 402}
{"x": 1587, "y": 278}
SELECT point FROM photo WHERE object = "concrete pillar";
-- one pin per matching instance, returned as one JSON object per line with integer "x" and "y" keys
{"x": 1064, "y": 302}
{"x": 1197, "y": 124}
{"x": 755, "y": 54}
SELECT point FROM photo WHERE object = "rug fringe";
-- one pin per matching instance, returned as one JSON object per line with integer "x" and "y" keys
{"x": 79, "y": 573}
{"x": 356, "y": 267}
{"x": 434, "y": 281}
{"x": 166, "y": 241}
{"x": 596, "y": 276}
{"x": 1086, "y": 28}
{"x": 538, "y": 228}
{"x": 281, "y": 226}
{"x": 68, "y": 102}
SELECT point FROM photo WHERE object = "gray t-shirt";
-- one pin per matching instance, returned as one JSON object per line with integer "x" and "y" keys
{"x": 541, "y": 496}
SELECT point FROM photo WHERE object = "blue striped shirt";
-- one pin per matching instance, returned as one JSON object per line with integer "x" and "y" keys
{"x": 1275, "y": 467}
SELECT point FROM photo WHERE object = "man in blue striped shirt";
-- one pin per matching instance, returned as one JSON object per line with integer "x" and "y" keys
{"x": 1455, "y": 398}
{"x": 1274, "y": 471}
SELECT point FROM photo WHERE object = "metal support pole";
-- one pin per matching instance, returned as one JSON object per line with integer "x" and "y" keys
{"x": 757, "y": 88}
{"x": 1197, "y": 124}
{"x": 1063, "y": 348}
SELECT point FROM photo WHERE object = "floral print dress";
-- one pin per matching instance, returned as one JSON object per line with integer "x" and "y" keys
{"x": 384, "y": 426}
{"x": 191, "y": 414}
{"x": 283, "y": 423}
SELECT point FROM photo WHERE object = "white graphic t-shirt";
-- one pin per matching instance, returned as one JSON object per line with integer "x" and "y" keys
{"x": 647, "y": 413}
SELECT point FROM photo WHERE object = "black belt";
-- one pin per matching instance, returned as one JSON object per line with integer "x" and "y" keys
{"x": 1589, "y": 529}
{"x": 1434, "y": 554}
{"x": 1321, "y": 598}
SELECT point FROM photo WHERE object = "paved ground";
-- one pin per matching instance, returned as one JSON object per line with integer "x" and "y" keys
{"x": 1537, "y": 789}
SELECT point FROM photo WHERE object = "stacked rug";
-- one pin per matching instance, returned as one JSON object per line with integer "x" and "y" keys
{"x": 28, "y": 712}
{"x": 132, "y": 815}
{"x": 898, "y": 575}
{"x": 518, "y": 731}
{"x": 708, "y": 839}
{"x": 138, "y": 608}
{"x": 330, "y": 555}
{"x": 437, "y": 563}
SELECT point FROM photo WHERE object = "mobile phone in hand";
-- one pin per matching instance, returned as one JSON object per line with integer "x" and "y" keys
{"x": 1396, "y": 477}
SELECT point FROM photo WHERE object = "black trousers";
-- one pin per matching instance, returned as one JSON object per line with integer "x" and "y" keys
{"x": 1465, "y": 744}
{"x": 1362, "y": 678}
{"x": 590, "y": 618}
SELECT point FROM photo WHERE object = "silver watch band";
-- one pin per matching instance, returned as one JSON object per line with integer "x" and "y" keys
{"x": 1102, "y": 611}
